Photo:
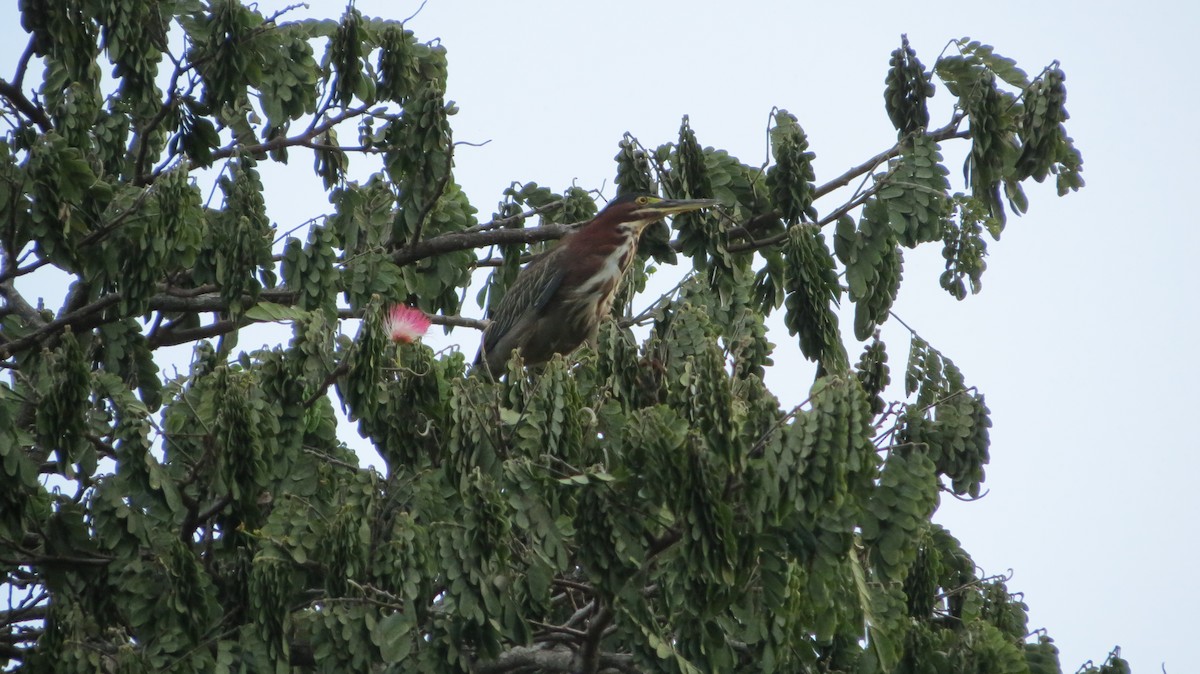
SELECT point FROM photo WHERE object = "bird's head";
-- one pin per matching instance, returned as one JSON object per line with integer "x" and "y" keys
{"x": 637, "y": 211}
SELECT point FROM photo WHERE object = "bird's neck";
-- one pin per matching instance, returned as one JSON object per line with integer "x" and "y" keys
{"x": 618, "y": 243}
{"x": 605, "y": 253}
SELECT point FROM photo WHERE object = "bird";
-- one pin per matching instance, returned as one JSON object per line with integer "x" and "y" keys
{"x": 559, "y": 299}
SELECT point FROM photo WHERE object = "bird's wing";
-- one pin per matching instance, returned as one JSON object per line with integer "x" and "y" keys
{"x": 528, "y": 295}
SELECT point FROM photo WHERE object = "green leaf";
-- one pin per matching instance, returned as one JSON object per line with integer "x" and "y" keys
{"x": 1004, "y": 67}
{"x": 270, "y": 311}
{"x": 391, "y": 635}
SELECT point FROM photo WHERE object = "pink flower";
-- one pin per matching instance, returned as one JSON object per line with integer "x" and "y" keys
{"x": 405, "y": 324}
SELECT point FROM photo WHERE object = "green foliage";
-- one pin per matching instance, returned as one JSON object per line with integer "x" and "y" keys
{"x": 1007, "y": 612}
{"x": 915, "y": 192}
{"x": 197, "y": 137}
{"x": 1113, "y": 664}
{"x": 737, "y": 186}
{"x": 237, "y": 254}
{"x": 577, "y": 206}
{"x": 400, "y": 63}
{"x": 911, "y": 208}
{"x": 633, "y": 168}
{"x": 164, "y": 238}
{"x": 643, "y": 503}
{"x": 227, "y": 55}
{"x": 1046, "y": 148}
{"x": 874, "y": 266}
{"x": 345, "y": 57}
{"x": 363, "y": 386}
{"x": 790, "y": 178}
{"x": 992, "y": 147}
{"x": 312, "y": 272}
{"x": 906, "y": 88}
{"x": 964, "y": 247}
{"x": 238, "y": 430}
{"x": 290, "y": 73}
{"x": 493, "y": 293}
{"x": 61, "y": 384}
{"x": 873, "y": 374}
{"x": 1004, "y": 67}
{"x": 435, "y": 284}
{"x": 1009, "y": 141}
{"x": 812, "y": 293}
{"x": 1042, "y": 657}
{"x": 123, "y": 351}
{"x": 63, "y": 34}
{"x": 634, "y": 177}
{"x": 899, "y": 511}
{"x": 948, "y": 420}
{"x": 745, "y": 336}
{"x": 827, "y": 463}
{"x": 61, "y": 190}
{"x": 689, "y": 179}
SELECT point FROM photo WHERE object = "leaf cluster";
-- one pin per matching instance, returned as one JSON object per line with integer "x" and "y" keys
{"x": 1013, "y": 136}
{"x": 906, "y": 88}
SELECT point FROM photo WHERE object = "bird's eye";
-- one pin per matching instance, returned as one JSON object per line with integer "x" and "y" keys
{"x": 642, "y": 201}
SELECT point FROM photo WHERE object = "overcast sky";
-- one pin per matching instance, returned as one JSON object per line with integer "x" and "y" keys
{"x": 1083, "y": 337}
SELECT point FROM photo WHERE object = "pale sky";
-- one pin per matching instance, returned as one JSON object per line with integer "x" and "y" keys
{"x": 1082, "y": 337}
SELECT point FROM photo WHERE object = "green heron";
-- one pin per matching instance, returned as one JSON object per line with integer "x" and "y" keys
{"x": 558, "y": 300}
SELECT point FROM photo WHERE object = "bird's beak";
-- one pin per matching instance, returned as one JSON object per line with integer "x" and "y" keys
{"x": 667, "y": 207}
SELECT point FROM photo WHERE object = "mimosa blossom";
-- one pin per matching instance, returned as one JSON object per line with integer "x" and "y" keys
{"x": 405, "y": 324}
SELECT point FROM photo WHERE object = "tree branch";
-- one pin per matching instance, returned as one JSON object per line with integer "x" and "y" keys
{"x": 11, "y": 271}
{"x": 91, "y": 316}
{"x": 458, "y": 321}
{"x": 15, "y": 303}
{"x": 170, "y": 337}
{"x": 755, "y": 244}
{"x": 23, "y": 63}
{"x": 948, "y": 131}
{"x": 938, "y": 135}
{"x": 36, "y": 611}
{"x": 82, "y": 318}
{"x": 589, "y": 652}
{"x": 195, "y": 518}
{"x": 496, "y": 223}
{"x": 556, "y": 659}
{"x": 456, "y": 241}
{"x": 662, "y": 543}
{"x": 12, "y": 93}
{"x": 301, "y": 139}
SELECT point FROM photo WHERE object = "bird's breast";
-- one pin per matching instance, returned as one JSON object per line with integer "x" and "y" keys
{"x": 609, "y": 268}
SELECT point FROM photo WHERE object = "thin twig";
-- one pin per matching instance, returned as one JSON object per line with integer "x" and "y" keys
{"x": 945, "y": 133}
{"x": 414, "y": 14}
{"x": 497, "y": 223}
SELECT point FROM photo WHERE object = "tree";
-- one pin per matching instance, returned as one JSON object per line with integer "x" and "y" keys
{"x": 635, "y": 507}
